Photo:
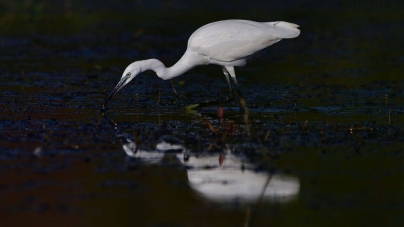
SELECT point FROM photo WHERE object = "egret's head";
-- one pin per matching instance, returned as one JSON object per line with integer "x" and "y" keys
{"x": 130, "y": 72}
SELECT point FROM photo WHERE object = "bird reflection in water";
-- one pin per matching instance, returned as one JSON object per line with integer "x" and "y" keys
{"x": 219, "y": 177}
{"x": 164, "y": 146}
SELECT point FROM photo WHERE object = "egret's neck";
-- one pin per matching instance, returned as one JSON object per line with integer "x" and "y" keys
{"x": 183, "y": 65}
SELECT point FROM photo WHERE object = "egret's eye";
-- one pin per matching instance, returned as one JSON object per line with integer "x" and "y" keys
{"x": 128, "y": 74}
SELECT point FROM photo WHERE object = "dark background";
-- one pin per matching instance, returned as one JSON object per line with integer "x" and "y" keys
{"x": 326, "y": 107}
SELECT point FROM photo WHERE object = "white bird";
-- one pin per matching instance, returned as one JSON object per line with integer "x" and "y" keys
{"x": 227, "y": 43}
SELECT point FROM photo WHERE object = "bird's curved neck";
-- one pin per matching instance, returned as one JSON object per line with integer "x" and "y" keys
{"x": 164, "y": 73}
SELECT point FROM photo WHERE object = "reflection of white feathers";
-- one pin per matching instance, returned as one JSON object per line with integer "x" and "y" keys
{"x": 233, "y": 180}
{"x": 131, "y": 150}
{"x": 167, "y": 147}
{"x": 213, "y": 161}
{"x": 245, "y": 186}
{"x": 222, "y": 176}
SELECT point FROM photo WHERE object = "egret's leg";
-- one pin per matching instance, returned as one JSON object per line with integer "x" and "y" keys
{"x": 226, "y": 75}
{"x": 237, "y": 87}
{"x": 243, "y": 105}
{"x": 220, "y": 101}
{"x": 230, "y": 71}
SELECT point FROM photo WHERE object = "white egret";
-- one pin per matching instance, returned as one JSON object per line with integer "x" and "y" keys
{"x": 227, "y": 43}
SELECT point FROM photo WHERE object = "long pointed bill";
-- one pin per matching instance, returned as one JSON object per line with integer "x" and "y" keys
{"x": 118, "y": 87}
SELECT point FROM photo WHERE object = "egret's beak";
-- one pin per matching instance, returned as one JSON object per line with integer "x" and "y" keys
{"x": 118, "y": 87}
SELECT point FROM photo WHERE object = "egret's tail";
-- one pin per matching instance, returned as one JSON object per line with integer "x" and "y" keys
{"x": 285, "y": 30}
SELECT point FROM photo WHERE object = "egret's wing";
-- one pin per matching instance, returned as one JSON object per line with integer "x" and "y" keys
{"x": 231, "y": 40}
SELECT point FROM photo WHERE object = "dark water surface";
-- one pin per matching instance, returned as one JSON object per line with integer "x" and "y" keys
{"x": 322, "y": 144}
